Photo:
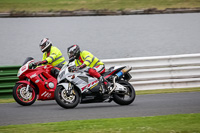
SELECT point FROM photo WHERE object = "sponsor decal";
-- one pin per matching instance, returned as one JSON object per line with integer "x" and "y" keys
{"x": 32, "y": 76}
{"x": 43, "y": 93}
{"x": 46, "y": 94}
{"x": 49, "y": 95}
{"x": 90, "y": 85}
{"x": 93, "y": 86}
{"x": 37, "y": 81}
{"x": 23, "y": 68}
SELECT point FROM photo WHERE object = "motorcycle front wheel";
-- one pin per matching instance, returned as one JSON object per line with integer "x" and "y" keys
{"x": 125, "y": 98}
{"x": 65, "y": 99}
{"x": 22, "y": 96}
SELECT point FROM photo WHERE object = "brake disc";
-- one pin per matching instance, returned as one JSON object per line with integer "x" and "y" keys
{"x": 25, "y": 94}
{"x": 67, "y": 97}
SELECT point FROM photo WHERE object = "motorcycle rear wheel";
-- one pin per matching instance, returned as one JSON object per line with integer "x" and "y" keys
{"x": 66, "y": 100}
{"x": 22, "y": 97}
{"x": 120, "y": 98}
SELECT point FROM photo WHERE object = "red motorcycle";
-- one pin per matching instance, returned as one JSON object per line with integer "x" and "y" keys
{"x": 34, "y": 83}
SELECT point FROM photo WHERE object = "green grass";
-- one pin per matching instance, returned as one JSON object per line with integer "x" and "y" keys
{"x": 9, "y": 99}
{"x": 58, "y": 5}
{"x": 159, "y": 91}
{"x": 181, "y": 123}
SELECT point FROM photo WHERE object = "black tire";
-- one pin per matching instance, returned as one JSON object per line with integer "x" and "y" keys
{"x": 119, "y": 98}
{"x": 19, "y": 96}
{"x": 62, "y": 101}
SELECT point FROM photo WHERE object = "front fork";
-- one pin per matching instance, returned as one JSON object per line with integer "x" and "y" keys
{"x": 27, "y": 87}
{"x": 69, "y": 89}
{"x": 67, "y": 86}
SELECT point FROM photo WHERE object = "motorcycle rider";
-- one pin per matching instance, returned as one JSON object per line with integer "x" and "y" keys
{"x": 51, "y": 54}
{"x": 85, "y": 58}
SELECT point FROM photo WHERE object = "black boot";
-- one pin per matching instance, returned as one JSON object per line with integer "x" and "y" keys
{"x": 105, "y": 86}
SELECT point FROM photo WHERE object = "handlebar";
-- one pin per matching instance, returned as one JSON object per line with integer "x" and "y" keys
{"x": 32, "y": 65}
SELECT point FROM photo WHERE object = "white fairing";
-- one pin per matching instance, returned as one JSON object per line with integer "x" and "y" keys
{"x": 78, "y": 78}
{"x": 65, "y": 85}
{"x": 24, "y": 68}
{"x": 63, "y": 71}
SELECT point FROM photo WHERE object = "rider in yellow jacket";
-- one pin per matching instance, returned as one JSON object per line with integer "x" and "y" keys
{"x": 51, "y": 55}
{"x": 85, "y": 58}
{"x": 88, "y": 59}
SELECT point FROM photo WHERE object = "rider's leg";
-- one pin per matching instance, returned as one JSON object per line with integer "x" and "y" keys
{"x": 55, "y": 72}
{"x": 95, "y": 74}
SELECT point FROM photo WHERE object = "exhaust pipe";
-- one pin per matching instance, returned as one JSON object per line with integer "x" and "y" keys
{"x": 119, "y": 75}
{"x": 123, "y": 71}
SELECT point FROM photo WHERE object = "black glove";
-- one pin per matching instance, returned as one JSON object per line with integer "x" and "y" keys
{"x": 55, "y": 72}
{"x": 73, "y": 69}
{"x": 82, "y": 66}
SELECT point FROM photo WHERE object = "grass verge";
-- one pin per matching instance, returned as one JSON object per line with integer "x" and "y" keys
{"x": 159, "y": 91}
{"x": 181, "y": 123}
{"x": 59, "y": 5}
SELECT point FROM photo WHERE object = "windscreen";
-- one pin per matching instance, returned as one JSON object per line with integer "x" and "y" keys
{"x": 27, "y": 59}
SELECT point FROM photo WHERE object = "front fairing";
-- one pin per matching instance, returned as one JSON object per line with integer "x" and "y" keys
{"x": 63, "y": 73}
{"x": 80, "y": 78}
{"x": 24, "y": 68}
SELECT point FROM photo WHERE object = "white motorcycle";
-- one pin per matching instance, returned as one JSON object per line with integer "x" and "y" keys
{"x": 78, "y": 86}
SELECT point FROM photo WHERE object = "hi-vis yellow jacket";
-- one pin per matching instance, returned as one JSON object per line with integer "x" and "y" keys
{"x": 55, "y": 57}
{"x": 88, "y": 59}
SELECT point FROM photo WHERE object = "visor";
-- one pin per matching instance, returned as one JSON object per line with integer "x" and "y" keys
{"x": 43, "y": 46}
{"x": 71, "y": 54}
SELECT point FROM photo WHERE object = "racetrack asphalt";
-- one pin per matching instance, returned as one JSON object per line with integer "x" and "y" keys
{"x": 144, "y": 105}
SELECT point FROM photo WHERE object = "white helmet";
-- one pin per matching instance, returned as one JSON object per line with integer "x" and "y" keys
{"x": 45, "y": 44}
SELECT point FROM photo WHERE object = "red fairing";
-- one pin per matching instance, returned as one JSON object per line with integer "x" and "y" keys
{"x": 42, "y": 78}
{"x": 109, "y": 74}
{"x": 24, "y": 81}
